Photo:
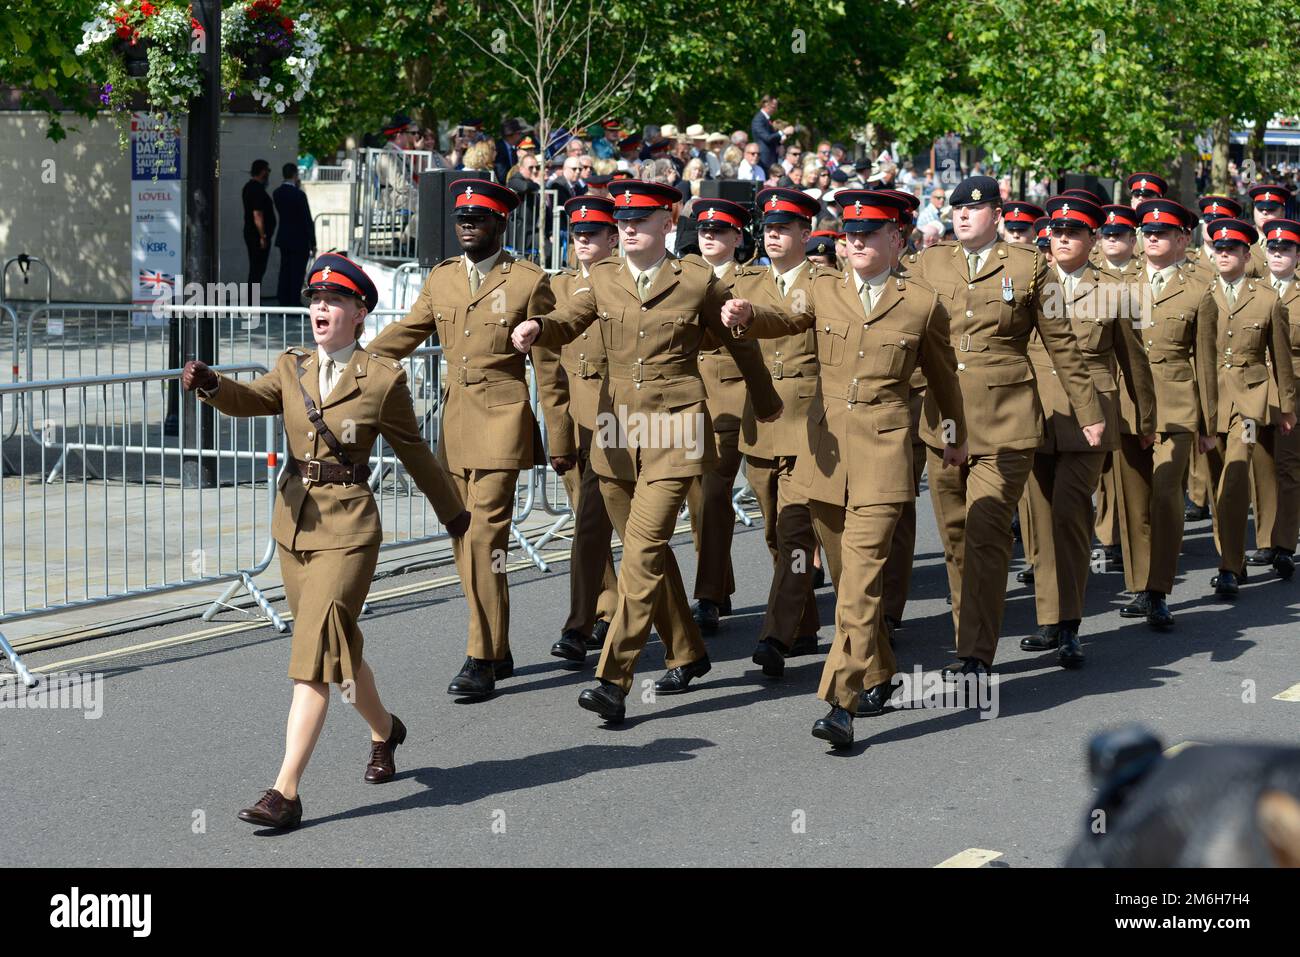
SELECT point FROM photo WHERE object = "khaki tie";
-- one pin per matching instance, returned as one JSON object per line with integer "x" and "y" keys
{"x": 1157, "y": 283}
{"x": 1230, "y": 294}
{"x": 865, "y": 295}
{"x": 973, "y": 263}
{"x": 474, "y": 279}
{"x": 780, "y": 285}
{"x": 331, "y": 378}
{"x": 643, "y": 285}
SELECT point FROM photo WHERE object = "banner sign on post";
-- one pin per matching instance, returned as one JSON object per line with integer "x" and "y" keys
{"x": 156, "y": 251}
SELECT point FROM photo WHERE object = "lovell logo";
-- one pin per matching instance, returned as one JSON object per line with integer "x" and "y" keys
{"x": 77, "y": 910}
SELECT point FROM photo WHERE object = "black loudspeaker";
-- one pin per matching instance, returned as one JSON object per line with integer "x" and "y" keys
{"x": 435, "y": 233}
{"x": 1103, "y": 187}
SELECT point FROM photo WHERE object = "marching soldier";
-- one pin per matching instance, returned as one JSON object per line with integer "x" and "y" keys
{"x": 1043, "y": 238}
{"x": 569, "y": 384}
{"x": 993, "y": 292}
{"x": 713, "y": 518}
{"x": 653, "y": 310}
{"x": 489, "y": 432}
{"x": 873, "y": 326}
{"x": 336, "y": 399}
{"x": 1018, "y": 218}
{"x": 1177, "y": 333}
{"x": 1275, "y": 467}
{"x": 820, "y": 248}
{"x": 1252, "y": 322}
{"x": 1117, "y": 239}
{"x": 771, "y": 451}
{"x": 1267, "y": 201}
{"x": 1145, "y": 186}
{"x": 1066, "y": 467}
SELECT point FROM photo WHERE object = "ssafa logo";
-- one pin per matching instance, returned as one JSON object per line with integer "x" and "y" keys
{"x": 76, "y": 910}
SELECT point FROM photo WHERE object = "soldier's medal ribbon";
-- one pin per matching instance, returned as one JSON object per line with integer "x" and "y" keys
{"x": 1008, "y": 290}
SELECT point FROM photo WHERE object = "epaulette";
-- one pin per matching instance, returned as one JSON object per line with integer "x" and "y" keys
{"x": 296, "y": 351}
{"x": 527, "y": 265}
{"x": 606, "y": 263}
{"x": 386, "y": 362}
{"x": 689, "y": 261}
{"x": 750, "y": 270}
{"x": 448, "y": 261}
{"x": 829, "y": 271}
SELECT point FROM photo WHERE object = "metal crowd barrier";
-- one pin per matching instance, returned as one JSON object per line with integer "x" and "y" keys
{"x": 333, "y": 231}
{"x": 12, "y": 359}
{"x": 387, "y": 202}
{"x": 160, "y": 515}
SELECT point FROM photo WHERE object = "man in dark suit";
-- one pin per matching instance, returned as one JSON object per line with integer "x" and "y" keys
{"x": 512, "y": 131}
{"x": 259, "y": 221}
{"x": 296, "y": 239}
{"x": 767, "y": 136}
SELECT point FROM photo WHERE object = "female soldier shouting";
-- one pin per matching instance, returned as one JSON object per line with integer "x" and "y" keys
{"x": 336, "y": 401}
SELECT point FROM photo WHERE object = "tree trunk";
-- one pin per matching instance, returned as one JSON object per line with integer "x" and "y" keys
{"x": 1255, "y": 148}
{"x": 1221, "y": 131}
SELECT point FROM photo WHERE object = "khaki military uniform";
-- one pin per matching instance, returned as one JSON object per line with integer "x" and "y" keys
{"x": 1255, "y": 325}
{"x": 772, "y": 450}
{"x": 993, "y": 315}
{"x": 1178, "y": 338}
{"x": 713, "y": 518}
{"x": 1275, "y": 466}
{"x": 489, "y": 432}
{"x": 568, "y": 393}
{"x": 1106, "y": 527}
{"x": 858, "y": 471}
{"x": 1066, "y": 469}
{"x": 653, "y": 377}
{"x": 328, "y": 535}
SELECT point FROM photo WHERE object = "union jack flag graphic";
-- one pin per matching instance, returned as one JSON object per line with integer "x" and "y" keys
{"x": 156, "y": 281}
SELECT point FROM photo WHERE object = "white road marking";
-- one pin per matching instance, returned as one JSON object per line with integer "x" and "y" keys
{"x": 971, "y": 857}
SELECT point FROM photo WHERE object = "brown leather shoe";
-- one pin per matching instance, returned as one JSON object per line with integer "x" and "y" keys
{"x": 274, "y": 810}
{"x": 381, "y": 767}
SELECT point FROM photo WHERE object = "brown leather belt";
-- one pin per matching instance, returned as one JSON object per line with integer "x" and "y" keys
{"x": 993, "y": 346}
{"x": 642, "y": 371}
{"x": 330, "y": 473}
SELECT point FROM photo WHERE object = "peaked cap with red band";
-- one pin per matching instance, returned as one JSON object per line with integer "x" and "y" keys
{"x": 1231, "y": 231}
{"x": 781, "y": 205}
{"x": 1147, "y": 182}
{"x": 1118, "y": 219}
{"x": 637, "y": 198}
{"x": 1021, "y": 215}
{"x": 589, "y": 214}
{"x": 1285, "y": 230}
{"x": 866, "y": 210}
{"x": 332, "y": 272}
{"x": 482, "y": 196}
{"x": 1273, "y": 193}
{"x": 1218, "y": 207}
{"x": 1158, "y": 214}
{"x": 1074, "y": 210}
{"x": 720, "y": 212}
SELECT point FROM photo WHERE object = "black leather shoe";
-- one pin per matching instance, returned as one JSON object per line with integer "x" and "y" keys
{"x": 973, "y": 666}
{"x": 1195, "y": 513}
{"x": 891, "y": 625}
{"x": 1283, "y": 564}
{"x": 1114, "y": 556}
{"x": 706, "y": 615}
{"x": 770, "y": 657}
{"x": 1139, "y": 607}
{"x": 676, "y": 680}
{"x": 819, "y": 577}
{"x": 606, "y": 699}
{"x": 952, "y": 669}
{"x": 1069, "y": 653}
{"x": 836, "y": 727}
{"x": 477, "y": 679}
{"x": 1158, "y": 614}
{"x": 598, "y": 633}
{"x": 807, "y": 645}
{"x": 1261, "y": 556}
{"x": 1025, "y": 576}
{"x": 1045, "y": 638}
{"x": 874, "y": 701}
{"x": 572, "y": 646}
{"x": 1225, "y": 584}
{"x": 505, "y": 668}
{"x": 274, "y": 810}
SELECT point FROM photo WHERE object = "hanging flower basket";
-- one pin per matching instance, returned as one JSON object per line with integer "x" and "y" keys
{"x": 138, "y": 49}
{"x": 271, "y": 53}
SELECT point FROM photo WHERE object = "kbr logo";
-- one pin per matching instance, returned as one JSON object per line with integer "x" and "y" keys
{"x": 156, "y": 246}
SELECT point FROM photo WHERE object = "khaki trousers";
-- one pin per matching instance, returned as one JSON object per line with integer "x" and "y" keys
{"x": 1275, "y": 488}
{"x": 856, "y": 540}
{"x": 1107, "y": 526}
{"x": 1230, "y": 471}
{"x": 650, "y": 585}
{"x": 1200, "y": 483}
{"x": 972, "y": 507}
{"x": 481, "y": 557}
{"x": 1059, "y": 498}
{"x": 902, "y": 549}
{"x": 1151, "y": 509}
{"x": 593, "y": 584}
{"x": 787, "y": 528}
{"x": 713, "y": 521}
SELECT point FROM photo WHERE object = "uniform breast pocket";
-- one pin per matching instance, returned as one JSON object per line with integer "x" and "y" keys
{"x": 1005, "y": 313}
{"x": 611, "y": 328}
{"x": 1249, "y": 335}
{"x": 1095, "y": 334}
{"x": 1179, "y": 329}
{"x": 444, "y": 318}
{"x": 497, "y": 329}
{"x": 896, "y": 355}
{"x": 831, "y": 337}
{"x": 680, "y": 330}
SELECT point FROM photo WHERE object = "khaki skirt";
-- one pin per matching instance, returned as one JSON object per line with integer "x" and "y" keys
{"x": 326, "y": 589}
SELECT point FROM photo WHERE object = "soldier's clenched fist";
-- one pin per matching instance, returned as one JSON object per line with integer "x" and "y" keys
{"x": 524, "y": 335}
{"x": 196, "y": 375}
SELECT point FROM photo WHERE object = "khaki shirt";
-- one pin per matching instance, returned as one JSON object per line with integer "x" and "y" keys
{"x": 1253, "y": 347}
